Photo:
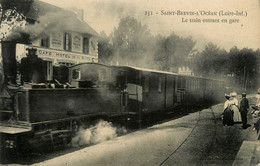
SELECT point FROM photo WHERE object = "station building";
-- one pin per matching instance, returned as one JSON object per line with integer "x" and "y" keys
{"x": 66, "y": 40}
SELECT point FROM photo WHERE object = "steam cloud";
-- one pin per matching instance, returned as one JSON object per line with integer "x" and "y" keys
{"x": 50, "y": 23}
{"x": 101, "y": 132}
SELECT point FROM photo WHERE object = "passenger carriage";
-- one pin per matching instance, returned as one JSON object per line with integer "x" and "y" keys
{"x": 51, "y": 113}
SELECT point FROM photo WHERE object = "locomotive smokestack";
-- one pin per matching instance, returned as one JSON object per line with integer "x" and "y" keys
{"x": 9, "y": 61}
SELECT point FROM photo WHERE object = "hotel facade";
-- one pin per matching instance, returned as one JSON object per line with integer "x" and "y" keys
{"x": 72, "y": 42}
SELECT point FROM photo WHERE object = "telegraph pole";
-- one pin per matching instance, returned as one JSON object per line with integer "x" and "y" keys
{"x": 244, "y": 80}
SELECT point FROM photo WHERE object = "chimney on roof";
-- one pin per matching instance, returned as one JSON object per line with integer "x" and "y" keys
{"x": 79, "y": 13}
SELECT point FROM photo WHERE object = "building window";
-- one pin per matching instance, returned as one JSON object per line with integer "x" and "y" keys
{"x": 67, "y": 42}
{"x": 76, "y": 74}
{"x": 85, "y": 45}
{"x": 45, "y": 42}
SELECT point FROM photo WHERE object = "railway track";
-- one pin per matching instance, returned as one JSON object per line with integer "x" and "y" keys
{"x": 200, "y": 122}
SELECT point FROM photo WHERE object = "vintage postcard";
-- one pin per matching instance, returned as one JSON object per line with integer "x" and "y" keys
{"x": 129, "y": 82}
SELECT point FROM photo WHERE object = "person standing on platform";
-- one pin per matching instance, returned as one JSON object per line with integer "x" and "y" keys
{"x": 256, "y": 110}
{"x": 234, "y": 107}
{"x": 227, "y": 112}
{"x": 258, "y": 98}
{"x": 244, "y": 108}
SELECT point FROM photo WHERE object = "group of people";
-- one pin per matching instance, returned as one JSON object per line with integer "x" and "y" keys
{"x": 256, "y": 111}
{"x": 233, "y": 113}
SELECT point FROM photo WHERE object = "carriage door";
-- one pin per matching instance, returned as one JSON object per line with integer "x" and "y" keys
{"x": 169, "y": 91}
{"x": 180, "y": 89}
{"x": 121, "y": 84}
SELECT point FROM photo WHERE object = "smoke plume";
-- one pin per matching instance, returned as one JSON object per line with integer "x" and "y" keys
{"x": 48, "y": 24}
{"x": 101, "y": 132}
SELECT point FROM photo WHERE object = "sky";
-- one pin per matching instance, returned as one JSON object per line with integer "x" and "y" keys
{"x": 224, "y": 23}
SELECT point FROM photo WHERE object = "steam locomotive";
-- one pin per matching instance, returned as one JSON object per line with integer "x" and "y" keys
{"x": 36, "y": 113}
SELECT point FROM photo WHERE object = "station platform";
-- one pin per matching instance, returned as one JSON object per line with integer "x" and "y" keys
{"x": 249, "y": 152}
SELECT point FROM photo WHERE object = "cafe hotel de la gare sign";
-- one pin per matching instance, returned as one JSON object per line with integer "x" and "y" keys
{"x": 55, "y": 56}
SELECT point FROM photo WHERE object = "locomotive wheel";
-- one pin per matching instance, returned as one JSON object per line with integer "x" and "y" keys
{"x": 25, "y": 148}
{"x": 66, "y": 141}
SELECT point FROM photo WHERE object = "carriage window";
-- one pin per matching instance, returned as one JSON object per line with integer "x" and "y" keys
{"x": 146, "y": 84}
{"x": 159, "y": 84}
{"x": 179, "y": 83}
{"x": 76, "y": 74}
{"x": 183, "y": 86}
{"x": 121, "y": 80}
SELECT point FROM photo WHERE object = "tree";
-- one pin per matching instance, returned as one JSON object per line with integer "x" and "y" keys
{"x": 10, "y": 19}
{"x": 172, "y": 51}
{"x": 161, "y": 56}
{"x": 212, "y": 61}
{"x": 244, "y": 66}
{"x": 105, "y": 49}
{"x": 132, "y": 42}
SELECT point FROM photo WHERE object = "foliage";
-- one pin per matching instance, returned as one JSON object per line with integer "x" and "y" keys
{"x": 242, "y": 61}
{"x": 211, "y": 61}
{"x": 131, "y": 41}
{"x": 172, "y": 51}
{"x": 10, "y": 19}
{"x": 240, "y": 66}
{"x": 244, "y": 65}
{"x": 105, "y": 49}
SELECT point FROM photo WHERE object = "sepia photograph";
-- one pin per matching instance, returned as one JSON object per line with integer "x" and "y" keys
{"x": 130, "y": 82}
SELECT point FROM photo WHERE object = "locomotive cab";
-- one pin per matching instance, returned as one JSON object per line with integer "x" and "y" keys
{"x": 91, "y": 75}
